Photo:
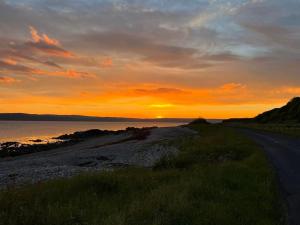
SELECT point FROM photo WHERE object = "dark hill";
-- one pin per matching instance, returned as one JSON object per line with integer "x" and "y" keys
{"x": 36, "y": 117}
{"x": 199, "y": 121}
{"x": 290, "y": 113}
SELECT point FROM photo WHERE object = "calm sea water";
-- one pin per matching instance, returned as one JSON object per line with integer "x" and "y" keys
{"x": 25, "y": 131}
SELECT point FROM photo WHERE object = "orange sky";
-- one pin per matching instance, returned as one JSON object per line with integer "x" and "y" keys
{"x": 148, "y": 59}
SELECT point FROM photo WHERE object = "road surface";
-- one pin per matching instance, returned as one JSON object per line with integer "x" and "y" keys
{"x": 284, "y": 154}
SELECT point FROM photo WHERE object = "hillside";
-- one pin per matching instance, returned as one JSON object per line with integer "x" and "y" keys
{"x": 290, "y": 113}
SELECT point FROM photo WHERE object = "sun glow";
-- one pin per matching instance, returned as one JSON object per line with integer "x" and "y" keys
{"x": 162, "y": 105}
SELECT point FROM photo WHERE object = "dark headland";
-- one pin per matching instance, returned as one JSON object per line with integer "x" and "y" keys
{"x": 51, "y": 117}
{"x": 290, "y": 113}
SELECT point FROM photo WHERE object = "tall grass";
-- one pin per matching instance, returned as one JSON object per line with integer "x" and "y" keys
{"x": 220, "y": 177}
{"x": 280, "y": 128}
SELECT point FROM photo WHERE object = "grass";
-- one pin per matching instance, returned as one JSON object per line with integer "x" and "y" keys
{"x": 281, "y": 128}
{"x": 219, "y": 178}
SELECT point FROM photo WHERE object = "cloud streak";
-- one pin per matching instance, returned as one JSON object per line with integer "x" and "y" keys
{"x": 37, "y": 38}
{"x": 147, "y": 50}
{"x": 41, "y": 50}
{"x": 7, "y": 80}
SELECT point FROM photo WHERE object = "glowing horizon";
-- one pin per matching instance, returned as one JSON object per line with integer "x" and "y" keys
{"x": 149, "y": 59}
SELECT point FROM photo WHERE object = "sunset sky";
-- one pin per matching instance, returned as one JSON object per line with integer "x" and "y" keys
{"x": 150, "y": 58}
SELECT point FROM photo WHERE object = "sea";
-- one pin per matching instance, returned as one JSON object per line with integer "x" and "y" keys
{"x": 27, "y": 132}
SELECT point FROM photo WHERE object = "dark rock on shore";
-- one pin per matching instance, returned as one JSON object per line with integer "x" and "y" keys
{"x": 37, "y": 141}
{"x": 11, "y": 149}
{"x": 85, "y": 134}
{"x": 139, "y": 133}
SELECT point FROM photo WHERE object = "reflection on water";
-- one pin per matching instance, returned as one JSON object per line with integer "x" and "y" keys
{"x": 29, "y": 131}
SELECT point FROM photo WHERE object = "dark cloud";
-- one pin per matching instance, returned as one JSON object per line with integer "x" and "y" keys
{"x": 159, "y": 91}
{"x": 15, "y": 58}
{"x": 221, "y": 57}
{"x": 159, "y": 54}
{"x": 45, "y": 48}
{"x": 52, "y": 64}
{"x": 5, "y": 66}
{"x": 23, "y": 55}
{"x": 7, "y": 80}
{"x": 277, "y": 35}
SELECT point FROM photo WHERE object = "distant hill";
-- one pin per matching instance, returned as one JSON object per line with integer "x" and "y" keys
{"x": 199, "y": 121}
{"x": 239, "y": 120}
{"x": 37, "y": 117}
{"x": 290, "y": 113}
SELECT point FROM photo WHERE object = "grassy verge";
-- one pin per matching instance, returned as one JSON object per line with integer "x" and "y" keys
{"x": 220, "y": 177}
{"x": 288, "y": 129}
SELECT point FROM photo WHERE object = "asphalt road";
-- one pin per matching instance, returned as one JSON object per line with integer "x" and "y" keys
{"x": 284, "y": 154}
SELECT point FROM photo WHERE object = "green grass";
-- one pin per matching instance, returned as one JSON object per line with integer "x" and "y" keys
{"x": 219, "y": 178}
{"x": 281, "y": 128}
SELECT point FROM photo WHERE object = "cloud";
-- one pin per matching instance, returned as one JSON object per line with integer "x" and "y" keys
{"x": 158, "y": 91}
{"x": 7, "y": 80}
{"x": 41, "y": 49}
{"x": 223, "y": 56}
{"x": 46, "y": 44}
{"x": 47, "y": 49}
{"x": 8, "y": 66}
{"x": 34, "y": 50}
{"x": 76, "y": 74}
{"x": 163, "y": 55}
{"x": 220, "y": 9}
{"x": 29, "y": 57}
{"x": 52, "y": 64}
{"x": 276, "y": 35}
{"x": 232, "y": 86}
{"x": 70, "y": 73}
{"x": 13, "y": 56}
{"x": 107, "y": 62}
{"x": 34, "y": 34}
{"x": 10, "y": 61}
{"x": 228, "y": 93}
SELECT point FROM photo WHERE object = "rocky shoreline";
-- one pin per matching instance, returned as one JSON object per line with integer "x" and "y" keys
{"x": 12, "y": 149}
{"x": 92, "y": 150}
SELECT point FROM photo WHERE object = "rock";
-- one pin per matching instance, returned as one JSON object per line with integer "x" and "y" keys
{"x": 37, "y": 141}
